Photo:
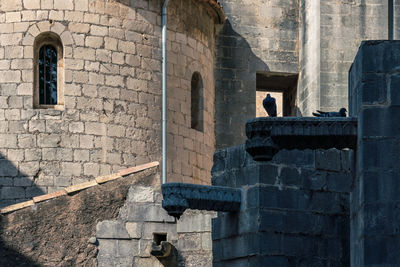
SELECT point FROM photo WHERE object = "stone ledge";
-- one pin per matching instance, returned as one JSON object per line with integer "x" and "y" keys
{"x": 266, "y": 136}
{"x": 78, "y": 187}
{"x": 180, "y": 196}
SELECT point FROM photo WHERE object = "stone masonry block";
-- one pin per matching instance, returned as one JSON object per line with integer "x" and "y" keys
{"x": 295, "y": 157}
{"x": 290, "y": 177}
{"x": 7, "y": 168}
{"x": 339, "y": 182}
{"x": 111, "y": 230}
{"x": 146, "y": 213}
{"x": 12, "y": 192}
{"x": 189, "y": 242}
{"x": 11, "y": 5}
{"x": 314, "y": 180}
{"x": 134, "y": 229}
{"x": 194, "y": 222}
{"x": 128, "y": 248}
{"x": 48, "y": 140}
{"x": 108, "y": 247}
{"x": 141, "y": 194}
{"x": 71, "y": 169}
{"x": 374, "y": 88}
{"x": 328, "y": 160}
{"x": 239, "y": 246}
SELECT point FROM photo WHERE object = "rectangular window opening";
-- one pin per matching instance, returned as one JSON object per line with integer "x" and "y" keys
{"x": 159, "y": 237}
{"x": 281, "y": 86}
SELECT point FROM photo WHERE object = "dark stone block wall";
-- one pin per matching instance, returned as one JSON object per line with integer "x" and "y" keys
{"x": 374, "y": 86}
{"x": 295, "y": 209}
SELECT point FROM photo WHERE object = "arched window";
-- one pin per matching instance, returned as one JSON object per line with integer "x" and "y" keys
{"x": 49, "y": 70}
{"x": 47, "y": 75}
{"x": 197, "y": 102}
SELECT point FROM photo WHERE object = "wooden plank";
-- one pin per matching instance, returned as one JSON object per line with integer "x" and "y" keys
{"x": 17, "y": 206}
{"x": 138, "y": 168}
{"x": 107, "y": 178}
{"x": 49, "y": 196}
{"x": 79, "y": 187}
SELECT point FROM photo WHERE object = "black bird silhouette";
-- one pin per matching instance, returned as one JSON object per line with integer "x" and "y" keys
{"x": 341, "y": 113}
{"x": 269, "y": 104}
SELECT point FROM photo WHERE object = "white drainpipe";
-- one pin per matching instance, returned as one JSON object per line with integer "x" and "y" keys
{"x": 164, "y": 91}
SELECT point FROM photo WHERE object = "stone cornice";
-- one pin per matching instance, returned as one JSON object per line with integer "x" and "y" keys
{"x": 266, "y": 136}
{"x": 179, "y": 196}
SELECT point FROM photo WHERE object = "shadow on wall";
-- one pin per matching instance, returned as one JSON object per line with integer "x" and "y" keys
{"x": 17, "y": 186}
{"x": 235, "y": 86}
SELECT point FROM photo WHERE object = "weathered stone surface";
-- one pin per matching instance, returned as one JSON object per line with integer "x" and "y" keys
{"x": 111, "y": 230}
{"x": 72, "y": 222}
{"x": 108, "y": 116}
{"x": 375, "y": 189}
{"x": 290, "y": 204}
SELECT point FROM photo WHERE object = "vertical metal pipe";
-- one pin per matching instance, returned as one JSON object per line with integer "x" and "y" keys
{"x": 164, "y": 91}
{"x": 390, "y": 19}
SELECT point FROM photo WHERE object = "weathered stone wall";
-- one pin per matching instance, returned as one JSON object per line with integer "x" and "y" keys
{"x": 106, "y": 225}
{"x": 330, "y": 34}
{"x": 190, "y": 45}
{"x": 258, "y": 36}
{"x": 111, "y": 113}
{"x": 111, "y": 117}
{"x": 57, "y": 232}
{"x": 374, "y": 82}
{"x": 295, "y": 209}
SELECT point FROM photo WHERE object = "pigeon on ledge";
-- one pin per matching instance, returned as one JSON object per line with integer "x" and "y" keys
{"x": 341, "y": 113}
{"x": 269, "y": 104}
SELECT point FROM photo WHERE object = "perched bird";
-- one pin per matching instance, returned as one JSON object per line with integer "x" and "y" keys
{"x": 269, "y": 104}
{"x": 341, "y": 113}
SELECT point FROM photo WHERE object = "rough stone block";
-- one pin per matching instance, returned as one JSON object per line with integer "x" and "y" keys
{"x": 128, "y": 248}
{"x": 339, "y": 182}
{"x": 314, "y": 180}
{"x": 141, "y": 194}
{"x": 71, "y": 169}
{"x": 240, "y": 246}
{"x": 147, "y": 262}
{"x": 193, "y": 221}
{"x": 290, "y": 177}
{"x": 328, "y": 160}
{"x": 98, "y": 30}
{"x": 48, "y": 140}
{"x": 11, "y": 5}
{"x": 111, "y": 230}
{"x": 134, "y": 229}
{"x": 107, "y": 248}
{"x": 189, "y": 242}
{"x": 146, "y": 213}
{"x": 12, "y": 192}
{"x": 7, "y": 168}
{"x": 34, "y": 191}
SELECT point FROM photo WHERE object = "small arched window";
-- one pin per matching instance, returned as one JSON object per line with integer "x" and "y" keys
{"x": 197, "y": 102}
{"x": 47, "y": 75}
{"x": 49, "y": 70}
